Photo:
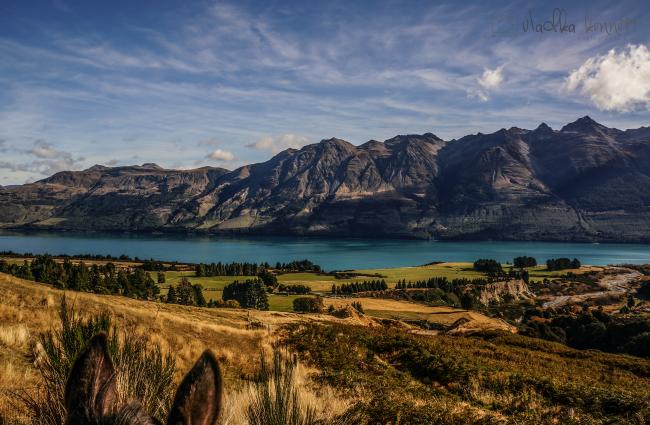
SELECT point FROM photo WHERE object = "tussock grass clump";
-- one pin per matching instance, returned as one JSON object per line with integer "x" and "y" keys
{"x": 276, "y": 400}
{"x": 144, "y": 372}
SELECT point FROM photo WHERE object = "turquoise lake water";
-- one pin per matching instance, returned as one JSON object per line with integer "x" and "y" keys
{"x": 331, "y": 254}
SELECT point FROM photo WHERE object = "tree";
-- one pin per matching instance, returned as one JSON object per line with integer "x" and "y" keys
{"x": 172, "y": 295}
{"x": 488, "y": 266}
{"x": 268, "y": 278}
{"x": 249, "y": 294}
{"x": 199, "y": 299}
{"x": 562, "y": 264}
{"x": 161, "y": 278}
{"x": 524, "y": 261}
{"x": 185, "y": 292}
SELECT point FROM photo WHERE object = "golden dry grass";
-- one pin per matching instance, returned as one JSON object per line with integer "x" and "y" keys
{"x": 28, "y": 308}
{"x": 403, "y": 310}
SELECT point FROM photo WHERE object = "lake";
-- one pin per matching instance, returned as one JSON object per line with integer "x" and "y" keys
{"x": 331, "y": 254}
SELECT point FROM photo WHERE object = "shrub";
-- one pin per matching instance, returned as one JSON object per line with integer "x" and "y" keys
{"x": 223, "y": 304}
{"x": 294, "y": 289}
{"x": 144, "y": 371}
{"x": 308, "y": 304}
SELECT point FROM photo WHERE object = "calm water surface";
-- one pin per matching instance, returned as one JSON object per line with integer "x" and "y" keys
{"x": 331, "y": 254}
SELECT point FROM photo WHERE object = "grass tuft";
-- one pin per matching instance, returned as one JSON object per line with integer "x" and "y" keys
{"x": 277, "y": 400}
{"x": 144, "y": 371}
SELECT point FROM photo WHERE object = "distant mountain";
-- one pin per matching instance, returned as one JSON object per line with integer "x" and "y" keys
{"x": 584, "y": 182}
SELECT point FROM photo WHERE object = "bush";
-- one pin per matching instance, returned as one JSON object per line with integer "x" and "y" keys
{"x": 294, "y": 289}
{"x": 308, "y": 304}
{"x": 144, "y": 371}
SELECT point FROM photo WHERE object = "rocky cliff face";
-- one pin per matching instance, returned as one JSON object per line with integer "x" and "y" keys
{"x": 511, "y": 290}
{"x": 583, "y": 182}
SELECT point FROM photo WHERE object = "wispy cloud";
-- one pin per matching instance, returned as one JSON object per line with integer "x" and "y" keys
{"x": 216, "y": 76}
{"x": 275, "y": 144}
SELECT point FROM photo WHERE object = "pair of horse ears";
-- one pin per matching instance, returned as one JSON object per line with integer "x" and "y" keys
{"x": 91, "y": 390}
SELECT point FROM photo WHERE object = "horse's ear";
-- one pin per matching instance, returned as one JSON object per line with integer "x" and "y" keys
{"x": 198, "y": 398}
{"x": 91, "y": 390}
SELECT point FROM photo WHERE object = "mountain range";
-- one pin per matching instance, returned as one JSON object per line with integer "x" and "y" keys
{"x": 584, "y": 182}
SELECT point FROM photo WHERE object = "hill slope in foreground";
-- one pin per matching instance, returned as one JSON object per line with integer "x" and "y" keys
{"x": 375, "y": 368}
{"x": 584, "y": 182}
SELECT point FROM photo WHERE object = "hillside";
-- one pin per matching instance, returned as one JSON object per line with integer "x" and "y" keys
{"x": 376, "y": 371}
{"x": 584, "y": 182}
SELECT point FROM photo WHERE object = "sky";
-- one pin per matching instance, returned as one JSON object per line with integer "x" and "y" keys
{"x": 187, "y": 84}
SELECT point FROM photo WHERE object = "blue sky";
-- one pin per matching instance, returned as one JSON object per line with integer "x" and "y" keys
{"x": 193, "y": 83}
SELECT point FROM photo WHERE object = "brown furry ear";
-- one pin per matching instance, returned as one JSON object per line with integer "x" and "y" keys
{"x": 198, "y": 398}
{"x": 91, "y": 391}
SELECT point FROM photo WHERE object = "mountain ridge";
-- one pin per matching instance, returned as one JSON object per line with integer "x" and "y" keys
{"x": 583, "y": 182}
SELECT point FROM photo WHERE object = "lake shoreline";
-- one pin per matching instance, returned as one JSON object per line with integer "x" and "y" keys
{"x": 238, "y": 234}
{"x": 330, "y": 253}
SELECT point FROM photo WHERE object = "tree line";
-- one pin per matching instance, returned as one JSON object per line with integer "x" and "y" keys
{"x": 365, "y": 286}
{"x": 253, "y": 269}
{"x": 99, "y": 279}
{"x": 440, "y": 283}
{"x": 562, "y": 264}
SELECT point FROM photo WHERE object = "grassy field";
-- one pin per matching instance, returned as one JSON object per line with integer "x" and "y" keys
{"x": 323, "y": 283}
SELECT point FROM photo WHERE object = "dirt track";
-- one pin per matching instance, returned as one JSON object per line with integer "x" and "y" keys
{"x": 612, "y": 284}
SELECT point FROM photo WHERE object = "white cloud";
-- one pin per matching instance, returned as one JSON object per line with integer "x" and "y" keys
{"x": 616, "y": 81}
{"x": 222, "y": 155}
{"x": 275, "y": 144}
{"x": 491, "y": 78}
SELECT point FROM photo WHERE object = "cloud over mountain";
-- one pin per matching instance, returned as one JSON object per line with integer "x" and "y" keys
{"x": 275, "y": 144}
{"x": 222, "y": 155}
{"x": 616, "y": 81}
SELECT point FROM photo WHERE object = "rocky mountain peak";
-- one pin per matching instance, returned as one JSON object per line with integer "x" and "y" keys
{"x": 584, "y": 125}
{"x": 151, "y": 166}
{"x": 543, "y": 128}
